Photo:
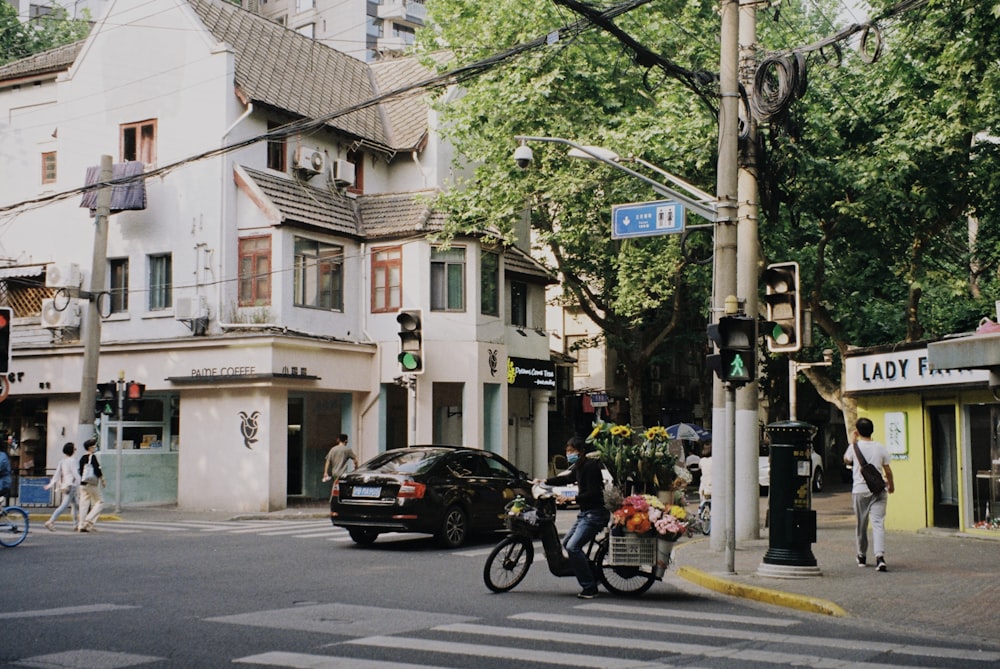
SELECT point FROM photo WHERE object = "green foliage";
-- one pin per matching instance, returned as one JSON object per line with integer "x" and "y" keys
{"x": 18, "y": 40}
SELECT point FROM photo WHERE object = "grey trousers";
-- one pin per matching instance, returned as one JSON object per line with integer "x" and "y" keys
{"x": 870, "y": 508}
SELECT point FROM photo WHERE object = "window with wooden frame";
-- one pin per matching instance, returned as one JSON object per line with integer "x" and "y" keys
{"x": 118, "y": 272}
{"x": 138, "y": 141}
{"x": 489, "y": 283}
{"x": 387, "y": 278}
{"x": 358, "y": 158}
{"x": 519, "y": 303}
{"x": 277, "y": 149}
{"x": 255, "y": 271}
{"x": 49, "y": 167}
{"x": 319, "y": 275}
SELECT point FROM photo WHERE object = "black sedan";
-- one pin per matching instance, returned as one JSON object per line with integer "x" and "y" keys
{"x": 446, "y": 491}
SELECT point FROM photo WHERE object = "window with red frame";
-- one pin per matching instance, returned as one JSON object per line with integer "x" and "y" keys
{"x": 138, "y": 141}
{"x": 387, "y": 278}
{"x": 49, "y": 167}
{"x": 358, "y": 158}
{"x": 255, "y": 271}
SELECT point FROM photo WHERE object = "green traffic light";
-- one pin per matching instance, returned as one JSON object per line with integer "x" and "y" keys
{"x": 779, "y": 335}
{"x": 409, "y": 361}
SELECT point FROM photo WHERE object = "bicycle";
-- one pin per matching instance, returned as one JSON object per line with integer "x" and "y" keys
{"x": 702, "y": 521}
{"x": 13, "y": 524}
{"x": 510, "y": 560}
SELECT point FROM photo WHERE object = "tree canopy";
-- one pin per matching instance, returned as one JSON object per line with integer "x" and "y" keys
{"x": 20, "y": 40}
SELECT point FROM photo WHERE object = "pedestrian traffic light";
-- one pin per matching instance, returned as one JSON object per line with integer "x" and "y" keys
{"x": 6, "y": 318}
{"x": 106, "y": 400}
{"x": 133, "y": 399}
{"x": 735, "y": 338}
{"x": 411, "y": 358}
{"x": 784, "y": 308}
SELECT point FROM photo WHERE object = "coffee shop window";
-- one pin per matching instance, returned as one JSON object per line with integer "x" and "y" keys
{"x": 150, "y": 424}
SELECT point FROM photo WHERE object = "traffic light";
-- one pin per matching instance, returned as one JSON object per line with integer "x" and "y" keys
{"x": 106, "y": 401}
{"x": 784, "y": 308}
{"x": 6, "y": 318}
{"x": 133, "y": 399}
{"x": 411, "y": 356}
{"x": 735, "y": 338}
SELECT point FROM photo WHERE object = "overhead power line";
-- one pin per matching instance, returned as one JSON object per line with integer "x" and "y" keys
{"x": 307, "y": 125}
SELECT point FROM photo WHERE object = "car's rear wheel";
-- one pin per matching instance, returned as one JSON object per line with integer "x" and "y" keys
{"x": 454, "y": 527}
{"x": 363, "y": 536}
{"x": 818, "y": 480}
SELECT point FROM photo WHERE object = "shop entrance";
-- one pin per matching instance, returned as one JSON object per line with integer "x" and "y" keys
{"x": 944, "y": 465}
{"x": 296, "y": 455}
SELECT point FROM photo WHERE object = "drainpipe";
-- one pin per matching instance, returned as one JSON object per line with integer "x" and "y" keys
{"x": 222, "y": 206}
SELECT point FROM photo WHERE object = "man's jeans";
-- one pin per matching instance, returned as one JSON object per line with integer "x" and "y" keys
{"x": 870, "y": 507}
{"x": 585, "y": 527}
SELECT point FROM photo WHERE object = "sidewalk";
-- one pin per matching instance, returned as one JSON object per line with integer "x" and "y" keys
{"x": 940, "y": 581}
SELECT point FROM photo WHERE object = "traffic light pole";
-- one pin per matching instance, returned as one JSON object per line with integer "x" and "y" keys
{"x": 120, "y": 386}
{"x": 730, "y": 519}
{"x": 92, "y": 324}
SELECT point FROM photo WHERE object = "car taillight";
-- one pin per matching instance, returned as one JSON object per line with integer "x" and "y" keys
{"x": 412, "y": 490}
{"x": 336, "y": 489}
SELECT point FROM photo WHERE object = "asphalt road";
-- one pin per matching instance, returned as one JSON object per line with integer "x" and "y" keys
{"x": 206, "y": 593}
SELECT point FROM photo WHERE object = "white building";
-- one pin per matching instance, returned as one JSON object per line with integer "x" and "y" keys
{"x": 256, "y": 295}
{"x": 367, "y": 30}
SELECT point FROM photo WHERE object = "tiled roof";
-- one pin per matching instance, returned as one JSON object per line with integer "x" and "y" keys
{"x": 301, "y": 203}
{"x": 399, "y": 214}
{"x": 285, "y": 70}
{"x": 407, "y": 114}
{"x": 519, "y": 263}
{"x": 51, "y": 61}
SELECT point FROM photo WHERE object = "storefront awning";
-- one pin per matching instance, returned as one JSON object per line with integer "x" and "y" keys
{"x": 21, "y": 271}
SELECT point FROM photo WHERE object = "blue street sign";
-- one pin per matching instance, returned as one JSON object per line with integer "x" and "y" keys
{"x": 646, "y": 219}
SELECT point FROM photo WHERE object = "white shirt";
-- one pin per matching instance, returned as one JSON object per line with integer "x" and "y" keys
{"x": 873, "y": 452}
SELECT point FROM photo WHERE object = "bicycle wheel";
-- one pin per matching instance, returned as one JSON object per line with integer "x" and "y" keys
{"x": 624, "y": 579}
{"x": 705, "y": 515}
{"x": 13, "y": 526}
{"x": 508, "y": 563}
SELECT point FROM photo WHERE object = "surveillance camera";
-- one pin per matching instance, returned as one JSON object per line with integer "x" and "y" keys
{"x": 523, "y": 156}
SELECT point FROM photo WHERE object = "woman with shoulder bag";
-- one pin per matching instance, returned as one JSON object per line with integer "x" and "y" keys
{"x": 67, "y": 481}
{"x": 91, "y": 482}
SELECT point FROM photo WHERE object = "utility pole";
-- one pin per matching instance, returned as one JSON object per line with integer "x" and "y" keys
{"x": 723, "y": 478}
{"x": 747, "y": 271}
{"x": 92, "y": 323}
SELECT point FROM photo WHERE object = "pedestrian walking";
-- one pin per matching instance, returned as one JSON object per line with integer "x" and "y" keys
{"x": 67, "y": 481}
{"x": 6, "y": 478}
{"x": 91, "y": 500}
{"x": 869, "y": 506}
{"x": 337, "y": 458}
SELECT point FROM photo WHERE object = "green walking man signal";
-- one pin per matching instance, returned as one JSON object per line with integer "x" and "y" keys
{"x": 735, "y": 338}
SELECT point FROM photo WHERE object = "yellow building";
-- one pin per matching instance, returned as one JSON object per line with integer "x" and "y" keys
{"x": 942, "y": 429}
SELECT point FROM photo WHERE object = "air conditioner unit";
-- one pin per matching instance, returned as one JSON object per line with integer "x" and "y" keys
{"x": 63, "y": 275}
{"x": 190, "y": 308}
{"x": 343, "y": 173}
{"x": 52, "y": 318}
{"x": 309, "y": 160}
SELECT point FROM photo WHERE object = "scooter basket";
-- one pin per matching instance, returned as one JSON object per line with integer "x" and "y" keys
{"x": 630, "y": 550}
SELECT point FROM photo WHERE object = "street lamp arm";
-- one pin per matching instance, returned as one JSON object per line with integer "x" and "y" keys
{"x": 706, "y": 210}
{"x": 704, "y": 197}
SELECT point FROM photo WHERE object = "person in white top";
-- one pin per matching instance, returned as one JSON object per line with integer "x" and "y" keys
{"x": 869, "y": 506}
{"x": 67, "y": 481}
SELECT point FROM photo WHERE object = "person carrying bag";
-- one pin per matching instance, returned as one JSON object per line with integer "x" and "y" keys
{"x": 91, "y": 482}
{"x": 870, "y": 491}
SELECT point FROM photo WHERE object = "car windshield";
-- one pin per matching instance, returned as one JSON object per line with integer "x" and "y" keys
{"x": 404, "y": 462}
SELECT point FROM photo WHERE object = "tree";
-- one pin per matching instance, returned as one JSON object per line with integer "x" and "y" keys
{"x": 874, "y": 177}
{"x": 20, "y": 40}
{"x": 642, "y": 292}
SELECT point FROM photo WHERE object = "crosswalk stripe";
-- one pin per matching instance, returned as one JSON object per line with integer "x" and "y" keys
{"x": 689, "y": 615}
{"x": 304, "y": 661}
{"x": 64, "y": 611}
{"x": 737, "y": 652}
{"x": 770, "y": 637}
{"x": 501, "y": 652}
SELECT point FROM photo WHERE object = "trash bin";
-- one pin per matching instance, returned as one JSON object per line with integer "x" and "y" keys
{"x": 793, "y": 522}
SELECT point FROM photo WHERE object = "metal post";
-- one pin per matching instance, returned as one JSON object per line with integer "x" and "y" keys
{"x": 730, "y": 552}
{"x": 793, "y": 370}
{"x": 118, "y": 440}
{"x": 92, "y": 323}
{"x": 724, "y": 275}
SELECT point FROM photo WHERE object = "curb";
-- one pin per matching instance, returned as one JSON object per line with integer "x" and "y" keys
{"x": 765, "y": 595}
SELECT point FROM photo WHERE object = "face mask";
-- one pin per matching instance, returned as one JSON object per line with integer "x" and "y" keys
{"x": 572, "y": 458}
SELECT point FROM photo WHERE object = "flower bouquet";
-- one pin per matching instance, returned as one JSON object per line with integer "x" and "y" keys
{"x": 647, "y": 516}
{"x": 640, "y": 459}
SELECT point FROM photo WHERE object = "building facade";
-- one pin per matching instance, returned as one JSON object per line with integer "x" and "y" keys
{"x": 256, "y": 294}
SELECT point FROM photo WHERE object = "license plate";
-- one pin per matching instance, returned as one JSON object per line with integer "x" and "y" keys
{"x": 372, "y": 491}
